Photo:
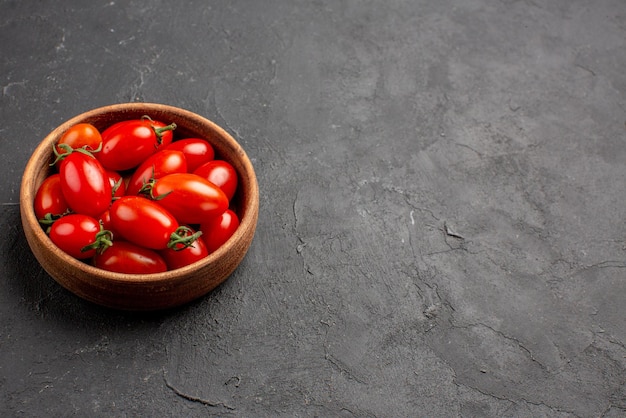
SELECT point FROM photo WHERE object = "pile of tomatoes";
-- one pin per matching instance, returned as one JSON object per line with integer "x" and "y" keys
{"x": 133, "y": 199}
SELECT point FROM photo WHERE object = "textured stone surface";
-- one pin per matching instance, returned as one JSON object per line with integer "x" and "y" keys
{"x": 442, "y": 223}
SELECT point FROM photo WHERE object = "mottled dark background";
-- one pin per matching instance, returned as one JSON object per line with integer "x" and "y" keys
{"x": 442, "y": 220}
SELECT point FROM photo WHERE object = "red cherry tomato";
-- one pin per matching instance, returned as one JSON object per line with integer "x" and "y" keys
{"x": 197, "y": 151}
{"x": 128, "y": 258}
{"x": 127, "y": 144}
{"x": 118, "y": 186}
{"x": 220, "y": 173}
{"x": 190, "y": 198}
{"x": 180, "y": 257}
{"x": 147, "y": 224}
{"x": 85, "y": 184}
{"x": 81, "y": 135}
{"x": 79, "y": 235}
{"x": 156, "y": 166}
{"x": 216, "y": 231}
{"x": 49, "y": 201}
{"x": 105, "y": 221}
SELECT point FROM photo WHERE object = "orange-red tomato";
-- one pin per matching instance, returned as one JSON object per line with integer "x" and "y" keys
{"x": 81, "y": 135}
{"x": 189, "y": 197}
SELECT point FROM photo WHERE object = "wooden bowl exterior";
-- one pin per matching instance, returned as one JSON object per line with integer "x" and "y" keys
{"x": 152, "y": 291}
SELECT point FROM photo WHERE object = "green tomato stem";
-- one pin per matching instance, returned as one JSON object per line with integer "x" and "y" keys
{"x": 147, "y": 187}
{"x": 68, "y": 150}
{"x": 104, "y": 239}
{"x": 116, "y": 187}
{"x": 182, "y": 236}
{"x": 49, "y": 219}
{"x": 160, "y": 131}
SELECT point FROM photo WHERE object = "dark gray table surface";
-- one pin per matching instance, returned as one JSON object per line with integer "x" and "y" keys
{"x": 442, "y": 220}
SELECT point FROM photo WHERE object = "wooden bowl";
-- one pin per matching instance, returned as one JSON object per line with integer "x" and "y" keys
{"x": 149, "y": 291}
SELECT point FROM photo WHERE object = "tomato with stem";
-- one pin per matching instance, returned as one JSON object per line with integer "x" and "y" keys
{"x": 49, "y": 203}
{"x": 81, "y": 135}
{"x": 84, "y": 182}
{"x": 118, "y": 185}
{"x": 146, "y": 223}
{"x": 156, "y": 166}
{"x": 179, "y": 257}
{"x": 105, "y": 221}
{"x": 80, "y": 236}
{"x": 127, "y": 144}
{"x": 189, "y": 197}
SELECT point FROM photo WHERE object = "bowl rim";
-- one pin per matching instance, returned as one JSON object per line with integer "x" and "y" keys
{"x": 44, "y": 148}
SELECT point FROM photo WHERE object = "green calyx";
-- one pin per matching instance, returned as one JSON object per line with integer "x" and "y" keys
{"x": 104, "y": 239}
{"x": 115, "y": 188}
{"x": 159, "y": 131}
{"x": 148, "y": 186}
{"x": 49, "y": 219}
{"x": 182, "y": 238}
{"x": 69, "y": 150}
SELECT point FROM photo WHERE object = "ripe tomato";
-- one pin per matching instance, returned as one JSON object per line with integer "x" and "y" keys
{"x": 128, "y": 258}
{"x": 220, "y": 173}
{"x": 127, "y": 144}
{"x": 118, "y": 186}
{"x": 49, "y": 201}
{"x": 216, "y": 231}
{"x": 147, "y": 224}
{"x": 80, "y": 236}
{"x": 179, "y": 257}
{"x": 197, "y": 151}
{"x": 84, "y": 183}
{"x": 156, "y": 166}
{"x": 105, "y": 221}
{"x": 81, "y": 135}
{"x": 190, "y": 198}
